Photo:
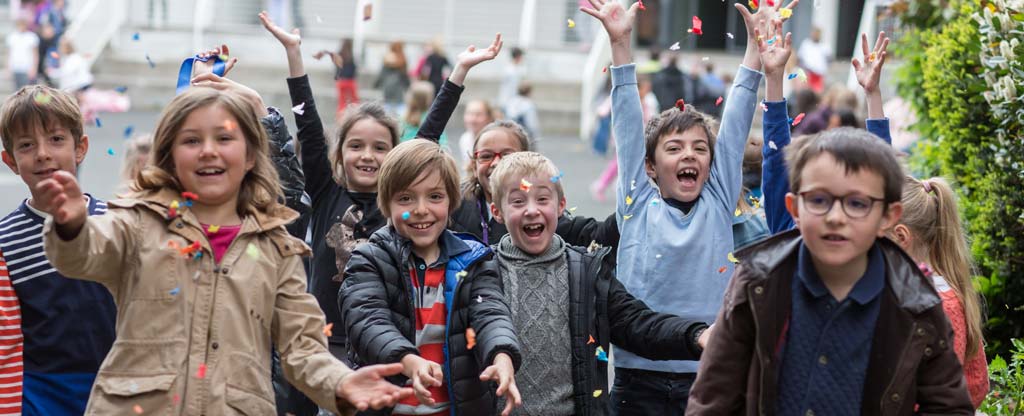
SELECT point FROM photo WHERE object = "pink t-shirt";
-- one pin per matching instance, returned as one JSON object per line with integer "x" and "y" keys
{"x": 221, "y": 238}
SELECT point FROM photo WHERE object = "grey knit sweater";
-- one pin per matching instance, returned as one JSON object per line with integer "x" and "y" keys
{"x": 537, "y": 291}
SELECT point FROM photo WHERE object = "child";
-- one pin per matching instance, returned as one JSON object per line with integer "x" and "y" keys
{"x": 68, "y": 324}
{"x": 565, "y": 301}
{"x": 12, "y": 346}
{"x": 393, "y": 79}
{"x": 478, "y": 114}
{"x": 494, "y": 141}
{"x": 830, "y": 319}
{"x": 341, "y": 181}
{"x": 136, "y": 157}
{"x": 207, "y": 285}
{"x": 677, "y": 232}
{"x": 344, "y": 73}
{"x": 418, "y": 100}
{"x": 522, "y": 109}
{"x": 22, "y": 55}
{"x": 931, "y": 233}
{"x": 420, "y": 295}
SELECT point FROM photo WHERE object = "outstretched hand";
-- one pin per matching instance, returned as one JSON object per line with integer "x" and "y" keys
{"x": 288, "y": 39}
{"x": 762, "y": 16}
{"x": 617, "y": 21}
{"x": 870, "y": 71}
{"x": 774, "y": 49}
{"x": 200, "y": 67}
{"x": 503, "y": 372}
{"x": 366, "y": 387}
{"x": 61, "y": 197}
{"x": 472, "y": 56}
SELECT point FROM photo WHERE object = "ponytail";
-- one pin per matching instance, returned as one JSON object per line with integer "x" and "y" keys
{"x": 930, "y": 211}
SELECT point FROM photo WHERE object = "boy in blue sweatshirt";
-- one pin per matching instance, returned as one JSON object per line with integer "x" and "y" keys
{"x": 675, "y": 232}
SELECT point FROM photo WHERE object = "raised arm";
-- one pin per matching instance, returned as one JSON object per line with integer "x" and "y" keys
{"x": 774, "y": 179}
{"x": 448, "y": 98}
{"x": 869, "y": 74}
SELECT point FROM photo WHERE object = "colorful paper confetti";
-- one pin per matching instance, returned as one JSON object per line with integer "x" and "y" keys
{"x": 629, "y": 200}
{"x": 626, "y": 217}
{"x": 642, "y": 7}
{"x": 461, "y": 274}
{"x": 121, "y": 89}
{"x": 600, "y": 354}
{"x": 925, "y": 269}
{"x": 872, "y": 57}
{"x": 135, "y": 36}
{"x": 201, "y": 371}
{"x": 771, "y": 145}
{"x": 732, "y": 258}
{"x": 150, "y": 62}
{"x": 752, "y": 4}
{"x": 737, "y": 212}
{"x": 605, "y": 69}
{"x": 556, "y": 178}
{"x": 718, "y": 102}
{"x": 54, "y": 55}
{"x": 175, "y": 291}
{"x": 42, "y": 98}
{"x": 327, "y": 329}
{"x": 764, "y": 107}
{"x": 573, "y": 209}
{"x": 681, "y": 105}
{"x": 597, "y": 393}
{"x": 791, "y": 76}
{"x": 110, "y": 151}
{"x": 798, "y": 119}
{"x": 572, "y": 24}
{"x": 299, "y": 109}
{"x": 470, "y": 338}
{"x": 99, "y": 123}
{"x": 632, "y": 185}
{"x": 479, "y": 299}
{"x": 655, "y": 201}
{"x": 722, "y": 269}
{"x": 771, "y": 41}
{"x": 252, "y": 251}
{"x": 729, "y": 35}
{"x": 138, "y": 409}
{"x": 405, "y": 216}
{"x": 189, "y": 196}
{"x": 591, "y": 340}
{"x": 697, "y": 26}
{"x": 771, "y": 3}
{"x": 785, "y": 13}
{"x": 525, "y": 185}
{"x": 128, "y": 130}
{"x": 657, "y": 256}
{"x": 674, "y": 47}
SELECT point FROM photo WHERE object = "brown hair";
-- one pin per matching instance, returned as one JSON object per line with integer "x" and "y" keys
{"x": 930, "y": 211}
{"x": 854, "y": 149}
{"x": 352, "y": 115}
{"x": 471, "y": 185}
{"x": 520, "y": 165}
{"x": 138, "y": 145}
{"x": 408, "y": 161}
{"x": 260, "y": 189}
{"x": 38, "y": 106}
{"x": 417, "y": 102}
{"x": 674, "y": 120}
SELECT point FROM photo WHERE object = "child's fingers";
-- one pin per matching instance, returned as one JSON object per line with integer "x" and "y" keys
{"x": 508, "y": 408}
{"x": 385, "y": 370}
{"x": 789, "y": 40}
{"x": 864, "y": 44}
{"x": 881, "y": 58}
{"x": 743, "y": 11}
{"x": 597, "y": 3}
{"x": 591, "y": 12}
{"x": 885, "y": 45}
{"x": 856, "y": 64}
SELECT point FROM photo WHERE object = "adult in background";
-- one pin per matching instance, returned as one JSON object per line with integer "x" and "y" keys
{"x": 813, "y": 57}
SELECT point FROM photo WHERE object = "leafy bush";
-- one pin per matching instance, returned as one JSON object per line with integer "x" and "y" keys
{"x": 1006, "y": 395}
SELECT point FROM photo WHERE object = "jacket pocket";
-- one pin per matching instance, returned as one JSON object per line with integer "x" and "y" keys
{"x": 241, "y": 402}
{"x": 117, "y": 393}
{"x": 250, "y": 377}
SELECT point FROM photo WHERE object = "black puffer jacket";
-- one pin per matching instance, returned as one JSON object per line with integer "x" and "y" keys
{"x": 601, "y": 307}
{"x": 289, "y": 172}
{"x": 576, "y": 231}
{"x": 377, "y": 307}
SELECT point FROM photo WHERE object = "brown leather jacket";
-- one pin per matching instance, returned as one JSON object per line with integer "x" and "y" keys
{"x": 194, "y": 337}
{"x": 912, "y": 359}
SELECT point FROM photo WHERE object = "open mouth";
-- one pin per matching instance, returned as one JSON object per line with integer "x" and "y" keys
{"x": 688, "y": 176}
{"x": 367, "y": 169}
{"x": 834, "y": 238}
{"x": 533, "y": 230}
{"x": 421, "y": 225}
{"x": 210, "y": 171}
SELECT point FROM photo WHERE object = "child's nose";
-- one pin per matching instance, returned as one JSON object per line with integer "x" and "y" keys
{"x": 836, "y": 215}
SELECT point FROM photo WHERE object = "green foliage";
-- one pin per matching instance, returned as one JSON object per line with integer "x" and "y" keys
{"x": 964, "y": 76}
{"x": 1006, "y": 393}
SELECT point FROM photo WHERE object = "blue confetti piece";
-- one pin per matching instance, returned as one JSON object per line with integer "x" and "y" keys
{"x": 98, "y": 122}
{"x": 128, "y": 132}
{"x": 601, "y": 355}
{"x": 175, "y": 291}
{"x": 405, "y": 216}
{"x": 199, "y": 255}
{"x": 135, "y": 36}
{"x": 110, "y": 151}
{"x": 554, "y": 179}
{"x": 121, "y": 89}
{"x": 771, "y": 41}
{"x": 791, "y": 120}
{"x": 791, "y": 76}
{"x": 188, "y": 203}
{"x": 150, "y": 61}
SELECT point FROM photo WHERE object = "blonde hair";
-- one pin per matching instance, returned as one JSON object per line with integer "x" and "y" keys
{"x": 471, "y": 185}
{"x": 408, "y": 161}
{"x": 137, "y": 146}
{"x": 520, "y": 165}
{"x": 417, "y": 101}
{"x": 930, "y": 212}
{"x": 260, "y": 189}
{"x": 38, "y": 106}
{"x": 352, "y": 115}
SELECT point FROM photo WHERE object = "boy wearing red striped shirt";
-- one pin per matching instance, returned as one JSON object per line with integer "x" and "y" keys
{"x": 11, "y": 345}
{"x": 428, "y": 298}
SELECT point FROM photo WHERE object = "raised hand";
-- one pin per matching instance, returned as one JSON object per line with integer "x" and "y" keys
{"x": 200, "y": 67}
{"x": 288, "y": 39}
{"x": 503, "y": 372}
{"x": 471, "y": 57}
{"x": 211, "y": 80}
{"x": 61, "y": 197}
{"x": 774, "y": 49}
{"x": 366, "y": 387}
{"x": 870, "y": 71}
{"x": 618, "y": 22}
{"x": 761, "y": 17}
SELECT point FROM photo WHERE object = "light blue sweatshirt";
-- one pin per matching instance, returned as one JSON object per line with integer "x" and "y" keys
{"x": 677, "y": 263}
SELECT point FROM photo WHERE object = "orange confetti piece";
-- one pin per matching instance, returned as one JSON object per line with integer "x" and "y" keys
{"x": 137, "y": 409}
{"x": 201, "y": 372}
{"x": 872, "y": 57}
{"x": 722, "y": 269}
{"x": 229, "y": 125}
{"x": 525, "y": 185}
{"x": 470, "y": 338}
{"x": 327, "y": 329}
{"x": 591, "y": 340}
{"x": 753, "y": 4}
{"x": 798, "y": 119}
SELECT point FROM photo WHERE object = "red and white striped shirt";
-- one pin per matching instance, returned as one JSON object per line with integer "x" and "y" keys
{"x": 11, "y": 345}
{"x": 431, "y": 314}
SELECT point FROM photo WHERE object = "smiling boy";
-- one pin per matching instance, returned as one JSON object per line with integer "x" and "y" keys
{"x": 566, "y": 304}
{"x": 68, "y": 324}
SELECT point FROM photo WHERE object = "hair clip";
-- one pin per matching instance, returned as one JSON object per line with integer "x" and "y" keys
{"x": 681, "y": 105}
{"x": 927, "y": 185}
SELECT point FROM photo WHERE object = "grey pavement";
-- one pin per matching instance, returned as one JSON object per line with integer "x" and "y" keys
{"x": 100, "y": 172}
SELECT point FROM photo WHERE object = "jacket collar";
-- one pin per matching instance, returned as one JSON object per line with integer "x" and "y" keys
{"x": 159, "y": 203}
{"x": 461, "y": 249}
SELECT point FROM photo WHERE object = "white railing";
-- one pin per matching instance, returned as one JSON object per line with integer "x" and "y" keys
{"x": 95, "y": 23}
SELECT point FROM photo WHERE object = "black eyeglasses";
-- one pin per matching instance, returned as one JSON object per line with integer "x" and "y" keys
{"x": 487, "y": 157}
{"x": 854, "y": 205}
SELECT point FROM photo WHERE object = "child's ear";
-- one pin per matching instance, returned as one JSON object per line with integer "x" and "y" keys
{"x": 9, "y": 161}
{"x": 902, "y": 236}
{"x": 890, "y": 218}
{"x": 561, "y": 207}
{"x": 496, "y": 213}
{"x": 792, "y": 207}
{"x": 649, "y": 167}
{"x": 81, "y": 149}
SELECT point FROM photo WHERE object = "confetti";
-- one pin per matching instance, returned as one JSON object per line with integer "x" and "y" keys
{"x": 176, "y": 399}
{"x": 470, "y": 338}
{"x": 654, "y": 201}
{"x": 479, "y": 299}
{"x": 629, "y": 200}
{"x": 722, "y": 269}
{"x": 405, "y": 216}
{"x": 729, "y": 35}
{"x": 642, "y": 8}
{"x": 213, "y": 228}
{"x": 771, "y": 145}
{"x": 573, "y": 209}
{"x": 461, "y": 274}
{"x": 42, "y": 98}
{"x": 764, "y": 107}
{"x": 327, "y": 329}
{"x": 732, "y": 258}
{"x": 591, "y": 340}
{"x": 605, "y": 69}
{"x": 681, "y": 105}
{"x": 525, "y": 185}
{"x": 138, "y": 409}
{"x": 632, "y": 185}
{"x": 771, "y": 3}
{"x": 925, "y": 269}
{"x": 737, "y": 212}
{"x": 128, "y": 131}
{"x": 597, "y": 393}
{"x": 785, "y": 13}
{"x": 229, "y": 125}
{"x": 803, "y": 75}
{"x": 554, "y": 179}
{"x": 771, "y": 41}
{"x": 299, "y": 109}
{"x": 121, "y": 89}
{"x": 135, "y": 36}
{"x": 872, "y": 57}
{"x": 54, "y": 55}
{"x": 626, "y": 217}
{"x": 752, "y": 4}
{"x": 697, "y": 26}
{"x": 674, "y": 47}
{"x": 600, "y": 354}
{"x": 657, "y": 256}
{"x": 189, "y": 195}
{"x": 252, "y": 251}
{"x": 110, "y": 151}
{"x": 798, "y": 119}
{"x": 572, "y": 24}
{"x": 791, "y": 76}
{"x": 175, "y": 291}
{"x": 98, "y": 122}
{"x": 224, "y": 57}
{"x": 201, "y": 372}
{"x": 718, "y": 102}
{"x": 150, "y": 62}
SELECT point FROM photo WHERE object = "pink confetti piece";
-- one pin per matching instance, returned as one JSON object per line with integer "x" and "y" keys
{"x": 718, "y": 102}
{"x": 201, "y": 372}
{"x": 798, "y": 119}
{"x": 697, "y": 25}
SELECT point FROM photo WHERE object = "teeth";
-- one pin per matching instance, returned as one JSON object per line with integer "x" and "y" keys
{"x": 534, "y": 227}
{"x": 210, "y": 171}
{"x": 420, "y": 226}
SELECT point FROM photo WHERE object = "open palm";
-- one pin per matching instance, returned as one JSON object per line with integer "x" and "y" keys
{"x": 472, "y": 56}
{"x": 366, "y": 388}
{"x": 774, "y": 50}
{"x": 287, "y": 39}
{"x": 762, "y": 16}
{"x": 869, "y": 72}
{"x": 617, "y": 21}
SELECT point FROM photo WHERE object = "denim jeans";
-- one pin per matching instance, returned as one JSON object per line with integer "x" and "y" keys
{"x": 640, "y": 392}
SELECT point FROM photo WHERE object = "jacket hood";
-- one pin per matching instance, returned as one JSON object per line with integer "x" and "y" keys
{"x": 912, "y": 289}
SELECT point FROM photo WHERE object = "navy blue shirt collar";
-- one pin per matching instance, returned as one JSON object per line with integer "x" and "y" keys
{"x": 450, "y": 246}
{"x": 867, "y": 288}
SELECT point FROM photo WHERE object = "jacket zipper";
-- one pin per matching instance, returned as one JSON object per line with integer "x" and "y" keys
{"x": 589, "y": 381}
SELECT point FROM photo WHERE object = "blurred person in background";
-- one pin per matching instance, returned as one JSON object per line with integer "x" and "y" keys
{"x": 22, "y": 55}
{"x": 393, "y": 80}
{"x": 344, "y": 74}
{"x": 814, "y": 56}
{"x": 511, "y": 77}
{"x": 478, "y": 114}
